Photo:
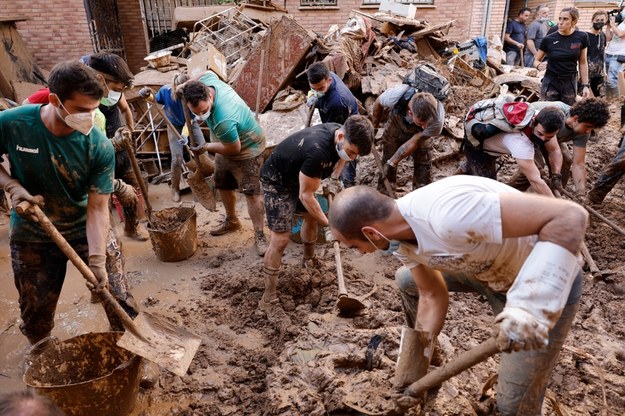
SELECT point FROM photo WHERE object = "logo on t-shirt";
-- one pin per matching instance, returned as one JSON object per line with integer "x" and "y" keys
{"x": 576, "y": 45}
{"x": 26, "y": 149}
{"x": 555, "y": 41}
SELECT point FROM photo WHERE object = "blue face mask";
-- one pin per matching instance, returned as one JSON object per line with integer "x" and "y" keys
{"x": 343, "y": 154}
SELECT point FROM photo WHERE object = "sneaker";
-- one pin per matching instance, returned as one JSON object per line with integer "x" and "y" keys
{"x": 260, "y": 242}
{"x": 136, "y": 234}
{"x": 226, "y": 227}
{"x": 175, "y": 195}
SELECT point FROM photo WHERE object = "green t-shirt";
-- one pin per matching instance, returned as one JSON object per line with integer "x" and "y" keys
{"x": 61, "y": 169}
{"x": 231, "y": 120}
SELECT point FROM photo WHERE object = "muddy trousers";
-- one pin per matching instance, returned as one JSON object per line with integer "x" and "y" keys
{"x": 175, "y": 148}
{"x": 610, "y": 175}
{"x": 39, "y": 271}
{"x": 559, "y": 88}
{"x": 396, "y": 133}
{"x": 124, "y": 171}
{"x": 520, "y": 182}
{"x": 524, "y": 375}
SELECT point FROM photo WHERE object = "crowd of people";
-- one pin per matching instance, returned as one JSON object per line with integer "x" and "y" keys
{"x": 465, "y": 233}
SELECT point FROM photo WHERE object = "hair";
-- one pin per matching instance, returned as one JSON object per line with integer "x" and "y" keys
{"x": 370, "y": 205}
{"x": 71, "y": 77}
{"x": 551, "y": 118}
{"x": 599, "y": 13}
{"x": 424, "y": 106}
{"x": 179, "y": 79}
{"x": 194, "y": 92}
{"x": 317, "y": 72}
{"x": 523, "y": 10}
{"x": 27, "y": 402}
{"x": 591, "y": 110}
{"x": 540, "y": 6}
{"x": 360, "y": 132}
{"x": 113, "y": 66}
{"x": 573, "y": 12}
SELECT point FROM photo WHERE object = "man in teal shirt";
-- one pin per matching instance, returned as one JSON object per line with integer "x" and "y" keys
{"x": 55, "y": 152}
{"x": 238, "y": 142}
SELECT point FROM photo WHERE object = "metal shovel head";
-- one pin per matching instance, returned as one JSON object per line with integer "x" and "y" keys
{"x": 201, "y": 191}
{"x": 349, "y": 305}
{"x": 169, "y": 346}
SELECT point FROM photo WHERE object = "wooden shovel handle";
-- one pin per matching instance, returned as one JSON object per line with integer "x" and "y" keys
{"x": 378, "y": 161}
{"x": 66, "y": 248}
{"x": 454, "y": 367}
{"x": 597, "y": 214}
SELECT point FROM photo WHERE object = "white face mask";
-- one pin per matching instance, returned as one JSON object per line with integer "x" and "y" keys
{"x": 112, "y": 98}
{"x": 202, "y": 117}
{"x": 343, "y": 154}
{"x": 81, "y": 122}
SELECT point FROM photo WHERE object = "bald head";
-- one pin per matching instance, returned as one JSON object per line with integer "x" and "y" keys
{"x": 27, "y": 403}
{"x": 357, "y": 207}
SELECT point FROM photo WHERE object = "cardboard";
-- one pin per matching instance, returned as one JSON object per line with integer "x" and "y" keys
{"x": 209, "y": 58}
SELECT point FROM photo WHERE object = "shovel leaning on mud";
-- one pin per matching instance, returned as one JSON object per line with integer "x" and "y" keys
{"x": 148, "y": 336}
{"x": 346, "y": 304}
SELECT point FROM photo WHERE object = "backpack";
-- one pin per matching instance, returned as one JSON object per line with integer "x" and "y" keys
{"x": 425, "y": 78}
{"x": 502, "y": 112}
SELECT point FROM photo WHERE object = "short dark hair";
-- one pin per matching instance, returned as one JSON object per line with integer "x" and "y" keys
{"x": 194, "y": 92}
{"x": 591, "y": 110}
{"x": 371, "y": 206}
{"x": 551, "y": 118}
{"x": 598, "y": 13}
{"x": 317, "y": 72}
{"x": 71, "y": 77}
{"x": 27, "y": 402}
{"x": 113, "y": 66}
{"x": 523, "y": 10}
{"x": 424, "y": 106}
{"x": 360, "y": 132}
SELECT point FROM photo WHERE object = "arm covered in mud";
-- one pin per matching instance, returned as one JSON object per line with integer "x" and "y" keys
{"x": 307, "y": 188}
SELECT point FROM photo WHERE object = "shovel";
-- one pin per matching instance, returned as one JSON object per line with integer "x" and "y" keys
{"x": 148, "y": 336}
{"x": 378, "y": 161}
{"x": 346, "y": 304}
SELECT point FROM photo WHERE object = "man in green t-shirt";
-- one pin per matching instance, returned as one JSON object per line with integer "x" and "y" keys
{"x": 55, "y": 153}
{"x": 238, "y": 142}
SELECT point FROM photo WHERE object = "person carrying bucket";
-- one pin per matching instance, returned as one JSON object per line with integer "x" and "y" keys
{"x": 238, "y": 141}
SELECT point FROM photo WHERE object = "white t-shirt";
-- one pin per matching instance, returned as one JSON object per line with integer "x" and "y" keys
{"x": 617, "y": 45}
{"x": 516, "y": 144}
{"x": 457, "y": 224}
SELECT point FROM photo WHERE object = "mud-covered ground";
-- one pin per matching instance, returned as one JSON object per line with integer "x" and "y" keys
{"x": 324, "y": 363}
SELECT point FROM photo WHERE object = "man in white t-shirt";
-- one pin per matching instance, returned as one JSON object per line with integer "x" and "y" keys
{"x": 472, "y": 234}
{"x": 482, "y": 160}
{"x": 615, "y": 51}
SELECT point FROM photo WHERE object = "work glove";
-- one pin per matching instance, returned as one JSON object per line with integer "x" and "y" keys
{"x": 334, "y": 186}
{"x": 198, "y": 150}
{"x": 184, "y": 141}
{"x": 97, "y": 264}
{"x": 556, "y": 181}
{"x": 125, "y": 193}
{"x": 329, "y": 236}
{"x": 18, "y": 195}
{"x": 311, "y": 99}
{"x": 145, "y": 92}
{"x": 518, "y": 330}
{"x": 121, "y": 139}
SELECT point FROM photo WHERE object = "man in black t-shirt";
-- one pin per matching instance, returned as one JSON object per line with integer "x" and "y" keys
{"x": 596, "y": 54}
{"x": 514, "y": 39}
{"x": 289, "y": 179}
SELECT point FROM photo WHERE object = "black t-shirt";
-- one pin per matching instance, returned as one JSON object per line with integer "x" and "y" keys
{"x": 311, "y": 151}
{"x": 563, "y": 52}
{"x": 596, "y": 48}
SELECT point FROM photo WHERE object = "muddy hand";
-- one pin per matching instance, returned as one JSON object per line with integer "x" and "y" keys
{"x": 22, "y": 201}
{"x": 518, "y": 330}
{"x": 97, "y": 264}
{"x": 125, "y": 193}
{"x": 198, "y": 150}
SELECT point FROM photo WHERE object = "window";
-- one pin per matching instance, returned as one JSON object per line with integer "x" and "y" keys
{"x": 371, "y": 2}
{"x": 318, "y": 3}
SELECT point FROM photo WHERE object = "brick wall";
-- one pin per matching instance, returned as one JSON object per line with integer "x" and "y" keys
{"x": 57, "y": 29}
{"x": 133, "y": 33}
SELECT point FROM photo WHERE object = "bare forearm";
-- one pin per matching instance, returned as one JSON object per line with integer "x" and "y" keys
{"x": 579, "y": 178}
{"x": 97, "y": 224}
{"x": 312, "y": 206}
{"x": 431, "y": 314}
{"x": 406, "y": 149}
{"x": 540, "y": 186}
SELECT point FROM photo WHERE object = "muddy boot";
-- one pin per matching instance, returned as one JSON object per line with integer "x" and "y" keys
{"x": 131, "y": 225}
{"x": 310, "y": 259}
{"x": 260, "y": 242}
{"x": 415, "y": 353}
{"x": 227, "y": 226}
{"x": 149, "y": 374}
{"x": 270, "y": 303}
{"x": 5, "y": 211}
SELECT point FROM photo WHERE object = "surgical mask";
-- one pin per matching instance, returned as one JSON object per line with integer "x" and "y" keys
{"x": 81, "y": 122}
{"x": 598, "y": 25}
{"x": 202, "y": 117}
{"x": 112, "y": 98}
{"x": 390, "y": 244}
{"x": 319, "y": 94}
{"x": 536, "y": 140}
{"x": 343, "y": 154}
{"x": 393, "y": 246}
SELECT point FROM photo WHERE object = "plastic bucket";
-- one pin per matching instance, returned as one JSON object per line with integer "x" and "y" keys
{"x": 173, "y": 233}
{"x": 87, "y": 375}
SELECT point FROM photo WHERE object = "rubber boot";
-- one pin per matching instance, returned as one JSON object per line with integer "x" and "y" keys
{"x": 270, "y": 303}
{"x": 415, "y": 353}
{"x": 131, "y": 224}
{"x": 309, "y": 250}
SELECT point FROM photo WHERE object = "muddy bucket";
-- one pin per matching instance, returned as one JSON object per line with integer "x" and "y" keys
{"x": 173, "y": 233}
{"x": 88, "y": 375}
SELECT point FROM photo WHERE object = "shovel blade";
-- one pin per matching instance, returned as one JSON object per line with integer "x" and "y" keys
{"x": 349, "y": 305}
{"x": 201, "y": 191}
{"x": 169, "y": 346}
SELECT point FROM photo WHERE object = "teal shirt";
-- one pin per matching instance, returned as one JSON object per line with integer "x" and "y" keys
{"x": 61, "y": 169}
{"x": 231, "y": 120}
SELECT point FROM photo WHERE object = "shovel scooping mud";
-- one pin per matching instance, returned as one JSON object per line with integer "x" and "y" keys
{"x": 148, "y": 336}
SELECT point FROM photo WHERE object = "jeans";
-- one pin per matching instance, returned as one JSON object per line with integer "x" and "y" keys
{"x": 609, "y": 177}
{"x": 348, "y": 175}
{"x": 523, "y": 375}
{"x": 613, "y": 67}
{"x": 513, "y": 58}
{"x": 175, "y": 149}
